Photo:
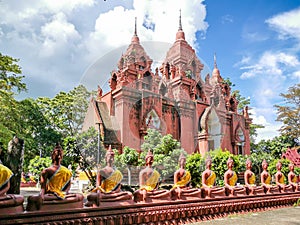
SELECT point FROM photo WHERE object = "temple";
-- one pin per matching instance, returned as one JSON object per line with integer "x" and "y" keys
{"x": 174, "y": 99}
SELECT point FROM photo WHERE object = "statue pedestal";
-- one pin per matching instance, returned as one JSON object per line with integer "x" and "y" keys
{"x": 238, "y": 191}
{"x": 11, "y": 204}
{"x": 54, "y": 205}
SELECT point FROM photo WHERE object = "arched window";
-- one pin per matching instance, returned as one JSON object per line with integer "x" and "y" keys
{"x": 214, "y": 130}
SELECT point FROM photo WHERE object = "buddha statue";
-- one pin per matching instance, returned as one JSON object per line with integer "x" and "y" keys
{"x": 230, "y": 181}
{"x": 108, "y": 188}
{"x": 149, "y": 181}
{"x": 9, "y": 203}
{"x": 266, "y": 179}
{"x": 182, "y": 179}
{"x": 280, "y": 180}
{"x": 292, "y": 178}
{"x": 55, "y": 185}
{"x": 208, "y": 182}
{"x": 249, "y": 178}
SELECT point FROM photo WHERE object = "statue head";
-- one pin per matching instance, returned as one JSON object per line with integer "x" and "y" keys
{"x": 291, "y": 166}
{"x": 278, "y": 165}
{"x": 248, "y": 163}
{"x": 149, "y": 158}
{"x": 208, "y": 161}
{"x": 264, "y": 164}
{"x": 230, "y": 162}
{"x": 109, "y": 156}
{"x": 182, "y": 159}
{"x": 57, "y": 154}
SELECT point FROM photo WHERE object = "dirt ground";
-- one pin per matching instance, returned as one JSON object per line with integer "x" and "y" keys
{"x": 282, "y": 216}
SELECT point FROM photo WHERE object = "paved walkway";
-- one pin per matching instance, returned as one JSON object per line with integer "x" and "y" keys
{"x": 282, "y": 216}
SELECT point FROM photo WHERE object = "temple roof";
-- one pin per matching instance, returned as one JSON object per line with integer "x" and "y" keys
{"x": 181, "y": 54}
{"x": 135, "y": 53}
{"x": 216, "y": 76}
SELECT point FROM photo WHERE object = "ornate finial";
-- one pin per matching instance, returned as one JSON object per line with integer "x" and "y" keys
{"x": 135, "y": 32}
{"x": 180, "y": 26}
{"x": 215, "y": 60}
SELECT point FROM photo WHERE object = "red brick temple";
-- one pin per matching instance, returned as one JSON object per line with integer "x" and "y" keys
{"x": 201, "y": 114}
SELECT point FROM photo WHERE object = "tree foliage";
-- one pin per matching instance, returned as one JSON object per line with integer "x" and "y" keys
{"x": 129, "y": 157}
{"x": 37, "y": 164}
{"x": 275, "y": 146}
{"x": 65, "y": 112}
{"x": 289, "y": 113}
{"x": 195, "y": 164}
{"x": 10, "y": 78}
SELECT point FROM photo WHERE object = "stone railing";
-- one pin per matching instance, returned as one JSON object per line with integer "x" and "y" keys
{"x": 169, "y": 212}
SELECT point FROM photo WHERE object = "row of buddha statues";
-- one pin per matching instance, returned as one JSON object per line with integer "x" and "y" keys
{"x": 56, "y": 182}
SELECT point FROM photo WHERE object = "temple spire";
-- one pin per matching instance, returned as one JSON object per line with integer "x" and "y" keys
{"x": 215, "y": 61}
{"x": 180, "y": 25}
{"x": 135, "y": 38}
{"x": 135, "y": 32}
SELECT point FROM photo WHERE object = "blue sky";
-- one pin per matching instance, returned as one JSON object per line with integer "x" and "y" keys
{"x": 63, "y": 43}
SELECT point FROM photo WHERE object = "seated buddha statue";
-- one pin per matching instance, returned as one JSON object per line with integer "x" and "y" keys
{"x": 230, "y": 180}
{"x": 280, "y": 180}
{"x": 55, "y": 185}
{"x": 108, "y": 188}
{"x": 292, "y": 178}
{"x": 208, "y": 182}
{"x": 182, "y": 179}
{"x": 149, "y": 182}
{"x": 249, "y": 178}
{"x": 9, "y": 203}
{"x": 266, "y": 179}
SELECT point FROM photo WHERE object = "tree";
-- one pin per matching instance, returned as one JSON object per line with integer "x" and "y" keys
{"x": 275, "y": 146}
{"x": 10, "y": 80}
{"x": 10, "y": 84}
{"x": 289, "y": 113}
{"x": 82, "y": 150}
{"x": 66, "y": 111}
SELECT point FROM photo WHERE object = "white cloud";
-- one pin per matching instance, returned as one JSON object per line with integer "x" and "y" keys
{"x": 57, "y": 34}
{"x": 287, "y": 24}
{"x": 296, "y": 75}
{"x": 227, "y": 19}
{"x": 156, "y": 21}
{"x": 270, "y": 64}
{"x": 57, "y": 40}
{"x": 263, "y": 116}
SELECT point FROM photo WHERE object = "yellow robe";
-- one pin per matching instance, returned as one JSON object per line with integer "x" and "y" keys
{"x": 233, "y": 179}
{"x": 152, "y": 182}
{"x": 281, "y": 180}
{"x": 183, "y": 181}
{"x": 294, "y": 180}
{"x": 110, "y": 183}
{"x": 211, "y": 179}
{"x": 252, "y": 179}
{"x": 58, "y": 182}
{"x": 5, "y": 175}
{"x": 268, "y": 180}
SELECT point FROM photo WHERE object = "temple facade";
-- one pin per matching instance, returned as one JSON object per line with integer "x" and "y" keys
{"x": 201, "y": 114}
